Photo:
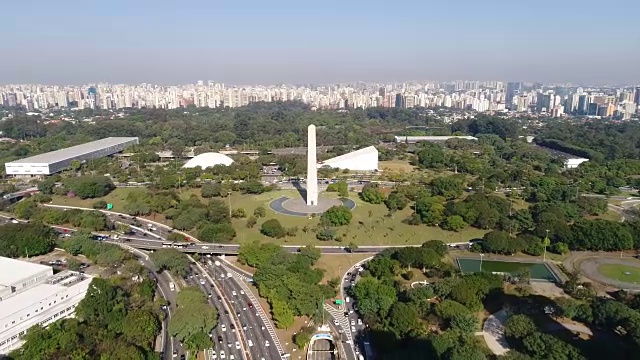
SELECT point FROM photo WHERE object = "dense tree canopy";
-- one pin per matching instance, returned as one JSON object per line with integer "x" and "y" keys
{"x": 337, "y": 216}
{"x": 89, "y": 186}
{"x": 172, "y": 260}
{"x": 288, "y": 281}
{"x": 112, "y": 321}
{"x": 22, "y": 240}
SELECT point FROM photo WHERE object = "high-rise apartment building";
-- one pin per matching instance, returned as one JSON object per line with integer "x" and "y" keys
{"x": 399, "y": 100}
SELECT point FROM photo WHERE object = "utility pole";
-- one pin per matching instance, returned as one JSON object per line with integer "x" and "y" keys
{"x": 546, "y": 243}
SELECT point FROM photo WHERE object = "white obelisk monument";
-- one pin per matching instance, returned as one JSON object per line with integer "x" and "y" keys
{"x": 312, "y": 168}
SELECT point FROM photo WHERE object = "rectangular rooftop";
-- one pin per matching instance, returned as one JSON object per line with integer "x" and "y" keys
{"x": 12, "y": 270}
{"x": 74, "y": 151}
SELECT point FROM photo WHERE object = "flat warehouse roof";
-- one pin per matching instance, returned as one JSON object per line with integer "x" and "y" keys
{"x": 27, "y": 298}
{"x": 12, "y": 270}
{"x": 70, "y": 152}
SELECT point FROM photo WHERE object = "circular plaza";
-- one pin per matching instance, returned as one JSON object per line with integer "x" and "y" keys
{"x": 620, "y": 273}
{"x": 298, "y": 206}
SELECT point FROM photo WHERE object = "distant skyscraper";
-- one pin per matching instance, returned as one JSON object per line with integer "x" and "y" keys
{"x": 582, "y": 104}
{"x": 513, "y": 89}
{"x": 399, "y": 100}
{"x": 92, "y": 97}
{"x": 637, "y": 97}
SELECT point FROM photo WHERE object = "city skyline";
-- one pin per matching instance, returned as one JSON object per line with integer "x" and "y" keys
{"x": 334, "y": 42}
{"x": 479, "y": 96}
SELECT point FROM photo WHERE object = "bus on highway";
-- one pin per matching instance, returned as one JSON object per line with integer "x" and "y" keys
{"x": 167, "y": 245}
{"x": 180, "y": 245}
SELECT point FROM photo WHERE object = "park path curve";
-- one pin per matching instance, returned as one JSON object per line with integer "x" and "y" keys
{"x": 493, "y": 332}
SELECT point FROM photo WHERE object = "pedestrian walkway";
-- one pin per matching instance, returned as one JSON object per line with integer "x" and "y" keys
{"x": 493, "y": 331}
{"x": 342, "y": 320}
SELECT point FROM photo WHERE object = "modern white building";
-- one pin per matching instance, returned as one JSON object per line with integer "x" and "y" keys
{"x": 365, "y": 159}
{"x": 55, "y": 161}
{"x": 30, "y": 295}
{"x": 209, "y": 159}
{"x": 415, "y": 139}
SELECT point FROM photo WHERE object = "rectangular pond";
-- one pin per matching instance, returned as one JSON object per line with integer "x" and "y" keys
{"x": 539, "y": 271}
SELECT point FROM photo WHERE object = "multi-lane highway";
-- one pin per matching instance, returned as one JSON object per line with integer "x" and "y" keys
{"x": 260, "y": 339}
{"x": 227, "y": 336}
{"x": 356, "y": 328}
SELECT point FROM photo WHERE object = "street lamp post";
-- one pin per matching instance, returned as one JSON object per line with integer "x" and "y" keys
{"x": 481, "y": 257}
{"x": 546, "y": 243}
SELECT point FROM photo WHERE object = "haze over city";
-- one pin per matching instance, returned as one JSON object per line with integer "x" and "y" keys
{"x": 170, "y": 42}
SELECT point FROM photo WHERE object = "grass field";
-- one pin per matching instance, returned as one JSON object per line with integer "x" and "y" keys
{"x": 609, "y": 215}
{"x": 336, "y": 265}
{"x": 369, "y": 226}
{"x": 396, "y": 166}
{"x": 620, "y": 272}
{"x": 538, "y": 270}
{"x": 116, "y": 197}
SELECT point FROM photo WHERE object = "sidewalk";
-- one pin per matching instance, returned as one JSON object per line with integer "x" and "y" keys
{"x": 493, "y": 331}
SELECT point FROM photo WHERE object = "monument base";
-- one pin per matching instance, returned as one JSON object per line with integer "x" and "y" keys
{"x": 299, "y": 205}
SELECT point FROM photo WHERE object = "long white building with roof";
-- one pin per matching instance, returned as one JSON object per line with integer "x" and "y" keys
{"x": 30, "y": 295}
{"x": 365, "y": 159}
{"x": 55, "y": 161}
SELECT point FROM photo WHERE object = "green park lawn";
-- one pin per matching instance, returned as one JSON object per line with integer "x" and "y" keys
{"x": 609, "y": 215}
{"x": 335, "y": 265}
{"x": 116, "y": 197}
{"x": 369, "y": 225}
{"x": 620, "y": 272}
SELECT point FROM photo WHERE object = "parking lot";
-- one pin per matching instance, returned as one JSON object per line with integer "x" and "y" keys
{"x": 58, "y": 259}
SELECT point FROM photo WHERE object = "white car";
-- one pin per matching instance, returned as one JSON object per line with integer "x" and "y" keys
{"x": 234, "y": 293}
{"x": 242, "y": 292}
{"x": 222, "y": 355}
{"x": 238, "y": 345}
{"x": 359, "y": 321}
{"x": 266, "y": 343}
{"x": 250, "y": 342}
{"x": 353, "y": 322}
{"x": 231, "y": 357}
{"x": 335, "y": 322}
{"x": 205, "y": 247}
{"x": 353, "y": 329}
{"x": 214, "y": 355}
{"x": 223, "y": 327}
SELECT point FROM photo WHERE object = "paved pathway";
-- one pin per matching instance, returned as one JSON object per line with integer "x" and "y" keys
{"x": 493, "y": 331}
{"x": 571, "y": 327}
{"x": 589, "y": 268}
{"x": 278, "y": 205}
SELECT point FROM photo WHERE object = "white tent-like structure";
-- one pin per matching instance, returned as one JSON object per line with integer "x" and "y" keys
{"x": 209, "y": 159}
{"x": 365, "y": 159}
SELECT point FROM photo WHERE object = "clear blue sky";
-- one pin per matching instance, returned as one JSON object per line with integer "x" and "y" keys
{"x": 274, "y": 41}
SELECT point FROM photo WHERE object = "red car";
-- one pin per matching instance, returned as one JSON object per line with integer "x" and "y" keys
{"x": 250, "y": 306}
